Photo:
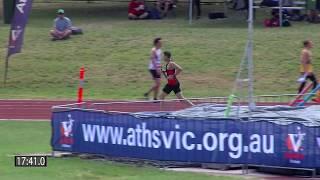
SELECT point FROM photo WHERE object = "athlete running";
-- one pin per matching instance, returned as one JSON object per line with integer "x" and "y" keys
{"x": 172, "y": 70}
{"x": 306, "y": 67}
{"x": 155, "y": 68}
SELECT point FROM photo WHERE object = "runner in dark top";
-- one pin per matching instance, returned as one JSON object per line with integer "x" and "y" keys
{"x": 171, "y": 71}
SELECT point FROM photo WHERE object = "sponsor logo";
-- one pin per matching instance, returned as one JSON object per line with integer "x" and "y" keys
{"x": 15, "y": 33}
{"x": 66, "y": 132}
{"x": 294, "y": 143}
{"x": 20, "y": 5}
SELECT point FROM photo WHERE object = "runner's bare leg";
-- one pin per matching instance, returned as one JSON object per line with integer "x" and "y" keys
{"x": 155, "y": 88}
{"x": 180, "y": 96}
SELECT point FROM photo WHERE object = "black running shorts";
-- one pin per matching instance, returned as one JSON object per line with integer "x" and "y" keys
{"x": 154, "y": 74}
{"x": 175, "y": 88}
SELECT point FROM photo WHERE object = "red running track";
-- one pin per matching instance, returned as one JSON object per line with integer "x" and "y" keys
{"x": 41, "y": 109}
{"x": 28, "y": 109}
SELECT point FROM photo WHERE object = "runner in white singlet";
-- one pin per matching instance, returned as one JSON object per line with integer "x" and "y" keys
{"x": 155, "y": 68}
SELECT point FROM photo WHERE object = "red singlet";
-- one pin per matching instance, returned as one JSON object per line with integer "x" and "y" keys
{"x": 172, "y": 81}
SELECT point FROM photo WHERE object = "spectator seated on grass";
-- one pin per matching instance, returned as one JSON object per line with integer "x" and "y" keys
{"x": 137, "y": 10}
{"x": 313, "y": 16}
{"x": 62, "y": 27}
{"x": 274, "y": 21}
{"x": 163, "y": 6}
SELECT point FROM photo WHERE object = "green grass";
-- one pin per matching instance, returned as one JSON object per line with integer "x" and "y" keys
{"x": 115, "y": 52}
{"x": 21, "y": 137}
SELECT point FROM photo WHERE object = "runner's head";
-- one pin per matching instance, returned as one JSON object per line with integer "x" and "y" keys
{"x": 157, "y": 42}
{"x": 307, "y": 44}
{"x": 167, "y": 56}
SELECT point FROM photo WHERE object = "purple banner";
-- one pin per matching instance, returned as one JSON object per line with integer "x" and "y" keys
{"x": 21, "y": 13}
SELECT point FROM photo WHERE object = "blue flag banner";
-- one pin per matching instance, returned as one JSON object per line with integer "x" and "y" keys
{"x": 228, "y": 141}
{"x": 18, "y": 24}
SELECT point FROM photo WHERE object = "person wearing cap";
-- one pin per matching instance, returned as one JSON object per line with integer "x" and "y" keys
{"x": 62, "y": 27}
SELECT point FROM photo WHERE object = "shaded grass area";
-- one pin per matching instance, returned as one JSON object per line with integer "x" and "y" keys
{"x": 115, "y": 52}
{"x": 33, "y": 137}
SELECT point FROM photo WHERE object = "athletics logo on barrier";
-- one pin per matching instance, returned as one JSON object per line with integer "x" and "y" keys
{"x": 66, "y": 130}
{"x": 294, "y": 144}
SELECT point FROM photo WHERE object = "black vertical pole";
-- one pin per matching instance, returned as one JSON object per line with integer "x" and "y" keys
{"x": 8, "y": 10}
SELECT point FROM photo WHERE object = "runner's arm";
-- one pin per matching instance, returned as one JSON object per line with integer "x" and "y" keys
{"x": 177, "y": 67}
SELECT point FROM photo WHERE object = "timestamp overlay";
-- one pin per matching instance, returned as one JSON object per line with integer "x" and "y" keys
{"x": 30, "y": 161}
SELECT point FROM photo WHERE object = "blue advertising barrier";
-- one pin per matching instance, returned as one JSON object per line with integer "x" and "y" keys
{"x": 229, "y": 141}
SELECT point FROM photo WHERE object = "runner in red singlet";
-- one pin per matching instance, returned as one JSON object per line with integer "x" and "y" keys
{"x": 171, "y": 72}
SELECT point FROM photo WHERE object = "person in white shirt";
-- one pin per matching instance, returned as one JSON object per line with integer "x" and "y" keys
{"x": 155, "y": 68}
